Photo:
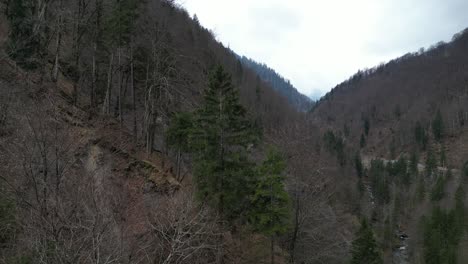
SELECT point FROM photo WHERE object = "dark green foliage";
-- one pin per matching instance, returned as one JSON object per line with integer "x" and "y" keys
{"x": 23, "y": 43}
{"x": 401, "y": 166}
{"x": 360, "y": 187}
{"x": 120, "y": 23}
{"x": 379, "y": 181}
{"x": 464, "y": 171}
{"x": 431, "y": 162}
{"x": 421, "y": 188}
{"x": 366, "y": 126}
{"x": 420, "y": 135}
{"x": 441, "y": 237}
{"x": 461, "y": 118}
{"x": 364, "y": 248}
{"x": 437, "y": 192}
{"x": 362, "y": 141}
{"x": 413, "y": 164}
{"x": 406, "y": 179}
{"x": 269, "y": 212}
{"x": 398, "y": 168}
{"x": 399, "y": 171}
{"x": 221, "y": 135}
{"x": 358, "y": 165}
{"x": 179, "y": 131}
{"x": 438, "y": 126}
{"x": 335, "y": 144}
{"x": 443, "y": 158}
{"x": 280, "y": 84}
{"x": 258, "y": 91}
{"x": 387, "y": 233}
{"x": 397, "y": 207}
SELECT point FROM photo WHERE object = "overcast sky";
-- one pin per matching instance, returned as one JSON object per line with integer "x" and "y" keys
{"x": 318, "y": 44}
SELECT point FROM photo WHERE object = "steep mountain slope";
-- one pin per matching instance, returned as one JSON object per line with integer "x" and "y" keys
{"x": 87, "y": 92}
{"x": 283, "y": 86}
{"x": 411, "y": 112}
{"x": 392, "y": 97}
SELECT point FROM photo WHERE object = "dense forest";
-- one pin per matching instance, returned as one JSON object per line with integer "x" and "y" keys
{"x": 406, "y": 122}
{"x": 279, "y": 83}
{"x": 129, "y": 134}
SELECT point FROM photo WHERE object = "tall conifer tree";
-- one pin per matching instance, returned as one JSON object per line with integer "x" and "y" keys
{"x": 364, "y": 248}
{"x": 269, "y": 213}
{"x": 222, "y": 134}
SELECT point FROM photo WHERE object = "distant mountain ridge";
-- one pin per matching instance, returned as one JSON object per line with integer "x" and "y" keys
{"x": 279, "y": 83}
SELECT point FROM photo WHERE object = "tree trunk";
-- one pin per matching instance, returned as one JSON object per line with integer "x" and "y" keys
{"x": 120, "y": 67}
{"x": 296, "y": 229}
{"x": 76, "y": 49}
{"x": 272, "y": 249}
{"x": 120, "y": 86}
{"x": 178, "y": 165}
{"x": 95, "y": 70}
{"x": 107, "y": 100}
{"x": 93, "y": 77}
{"x": 132, "y": 83}
{"x": 150, "y": 117}
{"x": 58, "y": 43}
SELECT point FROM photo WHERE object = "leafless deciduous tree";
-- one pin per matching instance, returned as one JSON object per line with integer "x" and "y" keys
{"x": 180, "y": 232}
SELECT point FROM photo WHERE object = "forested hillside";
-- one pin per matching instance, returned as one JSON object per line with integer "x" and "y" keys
{"x": 130, "y": 135}
{"x": 279, "y": 83}
{"x": 406, "y": 122}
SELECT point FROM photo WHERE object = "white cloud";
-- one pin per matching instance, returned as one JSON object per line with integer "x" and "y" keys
{"x": 317, "y": 44}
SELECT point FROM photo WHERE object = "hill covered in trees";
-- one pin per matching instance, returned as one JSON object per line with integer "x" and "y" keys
{"x": 130, "y": 135}
{"x": 279, "y": 83}
{"x": 404, "y": 124}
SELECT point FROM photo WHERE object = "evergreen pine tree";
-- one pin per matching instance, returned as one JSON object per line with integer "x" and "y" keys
{"x": 364, "y": 249}
{"x": 443, "y": 158}
{"x": 431, "y": 162}
{"x": 437, "y": 192}
{"x": 23, "y": 44}
{"x": 270, "y": 203}
{"x": 366, "y": 126}
{"x": 221, "y": 136}
{"x": 413, "y": 164}
{"x": 421, "y": 188}
{"x": 420, "y": 135}
{"x": 362, "y": 141}
{"x": 119, "y": 24}
{"x": 379, "y": 181}
{"x": 178, "y": 133}
{"x": 438, "y": 126}
{"x": 441, "y": 237}
{"x": 464, "y": 172}
{"x": 358, "y": 165}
